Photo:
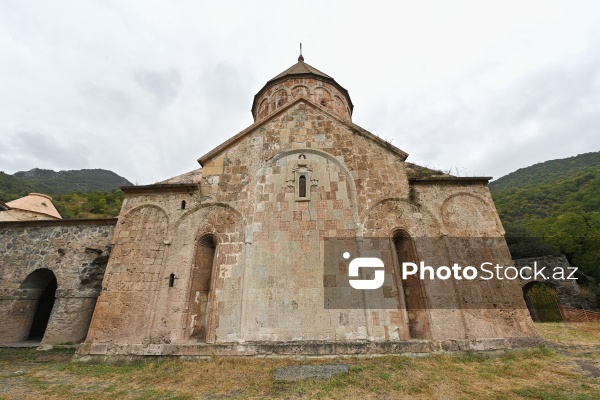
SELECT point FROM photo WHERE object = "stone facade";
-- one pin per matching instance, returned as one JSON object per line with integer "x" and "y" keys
{"x": 229, "y": 259}
{"x": 73, "y": 254}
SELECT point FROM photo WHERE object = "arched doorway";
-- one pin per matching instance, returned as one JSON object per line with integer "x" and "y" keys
{"x": 200, "y": 288}
{"x": 542, "y": 302}
{"x": 42, "y": 285}
{"x": 412, "y": 288}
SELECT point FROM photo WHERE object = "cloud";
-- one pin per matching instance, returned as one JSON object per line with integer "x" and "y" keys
{"x": 107, "y": 102}
{"x": 164, "y": 86}
{"x": 41, "y": 150}
{"x": 145, "y": 88}
{"x": 469, "y": 121}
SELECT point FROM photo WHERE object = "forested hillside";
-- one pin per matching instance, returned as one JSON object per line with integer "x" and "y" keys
{"x": 89, "y": 205}
{"x": 554, "y": 207}
{"x": 63, "y": 182}
{"x": 547, "y": 172}
{"x": 87, "y": 193}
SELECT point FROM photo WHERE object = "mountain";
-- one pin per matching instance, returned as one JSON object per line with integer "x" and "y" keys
{"x": 62, "y": 182}
{"x": 12, "y": 188}
{"x": 553, "y": 207}
{"x": 549, "y": 189}
{"x": 547, "y": 172}
{"x": 86, "y": 193}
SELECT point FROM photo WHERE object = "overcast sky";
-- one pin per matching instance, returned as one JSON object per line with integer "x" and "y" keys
{"x": 144, "y": 88}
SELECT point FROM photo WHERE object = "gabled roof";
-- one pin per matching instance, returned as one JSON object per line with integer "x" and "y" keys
{"x": 191, "y": 177}
{"x": 355, "y": 128}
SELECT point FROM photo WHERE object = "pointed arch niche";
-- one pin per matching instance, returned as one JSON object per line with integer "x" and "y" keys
{"x": 412, "y": 287}
{"x": 42, "y": 283}
{"x": 201, "y": 287}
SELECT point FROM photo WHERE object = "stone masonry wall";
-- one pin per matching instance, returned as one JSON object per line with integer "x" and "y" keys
{"x": 267, "y": 278}
{"x": 76, "y": 253}
{"x": 472, "y": 233}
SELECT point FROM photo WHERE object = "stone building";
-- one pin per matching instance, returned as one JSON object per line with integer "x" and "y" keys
{"x": 235, "y": 258}
{"x": 50, "y": 271}
{"x": 50, "y": 276}
{"x": 34, "y": 206}
{"x": 229, "y": 258}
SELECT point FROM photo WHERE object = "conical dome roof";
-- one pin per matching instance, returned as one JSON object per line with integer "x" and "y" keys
{"x": 300, "y": 68}
{"x": 37, "y": 203}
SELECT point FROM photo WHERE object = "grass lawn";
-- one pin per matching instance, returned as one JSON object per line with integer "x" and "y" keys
{"x": 567, "y": 367}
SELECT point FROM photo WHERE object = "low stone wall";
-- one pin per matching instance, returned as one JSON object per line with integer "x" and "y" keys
{"x": 75, "y": 252}
{"x": 124, "y": 353}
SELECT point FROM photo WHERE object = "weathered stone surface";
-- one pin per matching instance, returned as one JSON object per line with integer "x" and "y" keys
{"x": 90, "y": 352}
{"x": 267, "y": 278}
{"x": 75, "y": 252}
{"x": 229, "y": 260}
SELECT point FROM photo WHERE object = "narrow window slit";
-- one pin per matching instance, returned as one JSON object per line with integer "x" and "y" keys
{"x": 183, "y": 204}
{"x": 171, "y": 280}
{"x": 302, "y": 186}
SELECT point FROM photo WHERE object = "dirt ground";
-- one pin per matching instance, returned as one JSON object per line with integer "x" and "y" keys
{"x": 566, "y": 367}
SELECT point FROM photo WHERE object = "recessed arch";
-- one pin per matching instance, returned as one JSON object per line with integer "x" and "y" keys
{"x": 542, "y": 301}
{"x": 201, "y": 287}
{"x": 279, "y": 98}
{"x": 297, "y": 89}
{"x": 42, "y": 285}
{"x": 149, "y": 205}
{"x": 326, "y": 99}
{"x": 456, "y": 223}
{"x": 434, "y": 227}
{"x": 189, "y": 211}
{"x": 294, "y": 152}
{"x": 415, "y": 299}
{"x": 123, "y": 219}
{"x": 263, "y": 108}
{"x": 453, "y": 195}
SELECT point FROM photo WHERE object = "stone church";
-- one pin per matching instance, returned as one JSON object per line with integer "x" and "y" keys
{"x": 243, "y": 256}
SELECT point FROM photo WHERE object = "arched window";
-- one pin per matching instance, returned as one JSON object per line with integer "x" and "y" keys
{"x": 302, "y": 186}
{"x": 200, "y": 288}
{"x": 183, "y": 204}
{"x": 171, "y": 280}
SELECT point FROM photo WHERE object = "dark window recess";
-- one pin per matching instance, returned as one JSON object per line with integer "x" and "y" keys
{"x": 171, "y": 280}
{"x": 302, "y": 186}
{"x": 183, "y": 204}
